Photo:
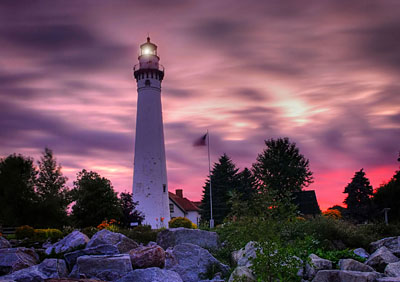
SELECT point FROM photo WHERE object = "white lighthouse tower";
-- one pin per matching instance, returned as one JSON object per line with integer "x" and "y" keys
{"x": 150, "y": 185}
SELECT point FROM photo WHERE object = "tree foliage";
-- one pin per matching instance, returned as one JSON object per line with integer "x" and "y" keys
{"x": 95, "y": 200}
{"x": 52, "y": 192}
{"x": 224, "y": 180}
{"x": 129, "y": 212}
{"x": 17, "y": 191}
{"x": 281, "y": 169}
{"x": 358, "y": 200}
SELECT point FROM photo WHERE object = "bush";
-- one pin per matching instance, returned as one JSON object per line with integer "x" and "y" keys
{"x": 180, "y": 222}
{"x": 141, "y": 234}
{"x": 24, "y": 231}
{"x": 89, "y": 231}
{"x": 40, "y": 235}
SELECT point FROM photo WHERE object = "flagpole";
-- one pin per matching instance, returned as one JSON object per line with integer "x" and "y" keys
{"x": 209, "y": 174}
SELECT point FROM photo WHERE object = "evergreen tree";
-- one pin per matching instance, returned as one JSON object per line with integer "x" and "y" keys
{"x": 52, "y": 192}
{"x": 358, "y": 200}
{"x": 281, "y": 169}
{"x": 129, "y": 212}
{"x": 95, "y": 200}
{"x": 388, "y": 196}
{"x": 17, "y": 191}
{"x": 246, "y": 185}
{"x": 224, "y": 179}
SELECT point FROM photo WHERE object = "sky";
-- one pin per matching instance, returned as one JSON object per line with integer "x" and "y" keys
{"x": 323, "y": 73}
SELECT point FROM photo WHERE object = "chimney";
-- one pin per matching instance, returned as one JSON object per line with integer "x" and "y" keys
{"x": 179, "y": 193}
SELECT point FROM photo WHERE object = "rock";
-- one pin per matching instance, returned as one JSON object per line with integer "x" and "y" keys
{"x": 393, "y": 269}
{"x": 49, "y": 268}
{"x": 316, "y": 264}
{"x": 123, "y": 243}
{"x": 4, "y": 244}
{"x": 103, "y": 267}
{"x": 72, "y": 241}
{"x": 152, "y": 274}
{"x": 175, "y": 236}
{"x": 71, "y": 257}
{"x": 192, "y": 262}
{"x": 149, "y": 256}
{"x": 243, "y": 273}
{"x": 353, "y": 265}
{"x": 13, "y": 259}
{"x": 344, "y": 276}
{"x": 72, "y": 280}
{"x": 244, "y": 255}
{"x": 380, "y": 258}
{"x": 392, "y": 243}
{"x": 361, "y": 253}
{"x": 388, "y": 279}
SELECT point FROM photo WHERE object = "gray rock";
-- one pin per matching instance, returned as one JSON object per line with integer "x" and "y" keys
{"x": 103, "y": 267}
{"x": 123, "y": 243}
{"x": 147, "y": 256}
{"x": 392, "y": 243}
{"x": 68, "y": 243}
{"x": 361, "y": 253}
{"x": 344, "y": 276}
{"x": 192, "y": 262}
{"x": 4, "y": 244}
{"x": 353, "y": 265}
{"x": 380, "y": 258}
{"x": 13, "y": 259}
{"x": 152, "y": 274}
{"x": 244, "y": 255}
{"x": 393, "y": 269}
{"x": 175, "y": 236}
{"x": 71, "y": 257}
{"x": 242, "y": 272}
{"x": 316, "y": 264}
{"x": 388, "y": 279}
{"x": 49, "y": 268}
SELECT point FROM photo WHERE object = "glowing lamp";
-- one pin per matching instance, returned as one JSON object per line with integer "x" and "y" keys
{"x": 148, "y": 48}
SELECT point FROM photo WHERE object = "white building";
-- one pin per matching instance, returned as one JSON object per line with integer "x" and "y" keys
{"x": 150, "y": 186}
{"x": 180, "y": 206}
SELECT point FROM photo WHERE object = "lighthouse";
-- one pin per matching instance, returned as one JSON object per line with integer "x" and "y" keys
{"x": 150, "y": 187}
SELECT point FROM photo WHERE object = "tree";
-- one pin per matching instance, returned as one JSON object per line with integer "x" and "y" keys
{"x": 246, "y": 185}
{"x": 224, "y": 179}
{"x": 129, "y": 212}
{"x": 17, "y": 191}
{"x": 281, "y": 169}
{"x": 95, "y": 199}
{"x": 52, "y": 192}
{"x": 358, "y": 200}
{"x": 388, "y": 196}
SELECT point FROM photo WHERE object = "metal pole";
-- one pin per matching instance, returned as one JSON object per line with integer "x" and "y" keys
{"x": 209, "y": 174}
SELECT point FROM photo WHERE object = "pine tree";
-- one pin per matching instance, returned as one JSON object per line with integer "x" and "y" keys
{"x": 52, "y": 192}
{"x": 246, "y": 185}
{"x": 360, "y": 191}
{"x": 281, "y": 169}
{"x": 224, "y": 179}
{"x": 129, "y": 212}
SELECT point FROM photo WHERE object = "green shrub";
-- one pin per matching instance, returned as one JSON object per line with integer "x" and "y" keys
{"x": 89, "y": 231}
{"x": 141, "y": 234}
{"x": 180, "y": 222}
{"x": 335, "y": 256}
{"x": 40, "y": 235}
{"x": 24, "y": 231}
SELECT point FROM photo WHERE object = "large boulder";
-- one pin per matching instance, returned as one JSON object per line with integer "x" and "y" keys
{"x": 103, "y": 267}
{"x": 175, "y": 236}
{"x": 353, "y": 265}
{"x": 361, "y": 253}
{"x": 344, "y": 276}
{"x": 392, "y": 243}
{"x": 71, "y": 257}
{"x": 70, "y": 242}
{"x": 72, "y": 280}
{"x": 242, "y": 273}
{"x": 244, "y": 256}
{"x": 49, "y": 268}
{"x": 123, "y": 243}
{"x": 4, "y": 244}
{"x": 147, "y": 256}
{"x": 380, "y": 258}
{"x": 316, "y": 264}
{"x": 152, "y": 274}
{"x": 393, "y": 269}
{"x": 192, "y": 262}
{"x": 13, "y": 259}
{"x": 388, "y": 279}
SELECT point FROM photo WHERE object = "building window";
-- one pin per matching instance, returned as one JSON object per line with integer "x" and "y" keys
{"x": 147, "y": 82}
{"x": 164, "y": 188}
{"x": 171, "y": 208}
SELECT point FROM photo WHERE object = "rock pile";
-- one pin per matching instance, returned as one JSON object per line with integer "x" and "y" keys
{"x": 110, "y": 256}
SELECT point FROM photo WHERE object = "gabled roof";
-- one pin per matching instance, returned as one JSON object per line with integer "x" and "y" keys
{"x": 183, "y": 203}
